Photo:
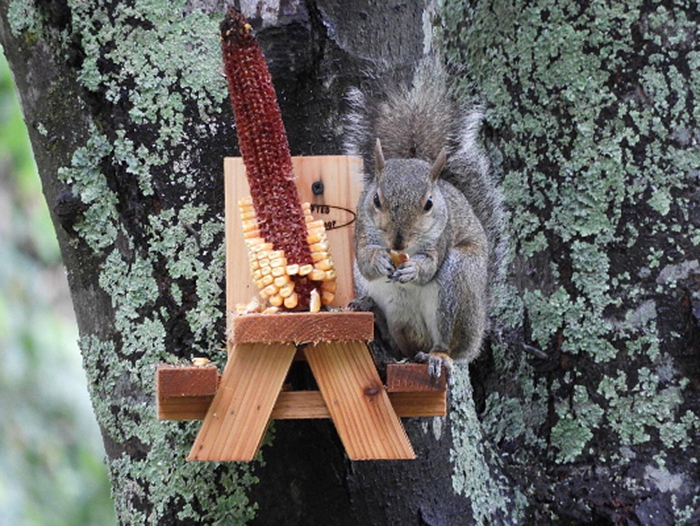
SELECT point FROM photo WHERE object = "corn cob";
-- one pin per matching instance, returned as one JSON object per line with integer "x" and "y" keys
{"x": 279, "y": 231}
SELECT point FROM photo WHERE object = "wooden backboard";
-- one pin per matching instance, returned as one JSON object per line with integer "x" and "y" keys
{"x": 341, "y": 181}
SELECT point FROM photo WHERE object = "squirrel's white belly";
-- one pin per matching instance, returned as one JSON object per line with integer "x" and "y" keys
{"x": 408, "y": 308}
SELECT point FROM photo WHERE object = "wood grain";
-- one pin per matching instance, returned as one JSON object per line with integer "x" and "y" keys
{"x": 300, "y": 405}
{"x": 178, "y": 399}
{"x": 411, "y": 377}
{"x": 186, "y": 380}
{"x": 302, "y": 327}
{"x": 341, "y": 180}
{"x": 419, "y": 404}
{"x": 238, "y": 417}
{"x": 183, "y": 407}
{"x": 357, "y": 401}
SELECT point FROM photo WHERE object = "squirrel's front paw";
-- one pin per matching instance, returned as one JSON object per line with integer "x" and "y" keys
{"x": 363, "y": 304}
{"x": 407, "y": 272}
{"x": 436, "y": 360}
{"x": 381, "y": 263}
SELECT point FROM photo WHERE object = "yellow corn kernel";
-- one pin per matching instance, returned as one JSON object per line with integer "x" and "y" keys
{"x": 315, "y": 237}
{"x": 253, "y": 306}
{"x": 327, "y": 297}
{"x": 315, "y": 225}
{"x": 330, "y": 275}
{"x": 314, "y": 301}
{"x": 270, "y": 290}
{"x": 259, "y": 283}
{"x": 264, "y": 295}
{"x": 276, "y": 300}
{"x": 324, "y": 264}
{"x": 254, "y": 242}
{"x": 245, "y": 201}
{"x": 275, "y": 254}
{"x": 271, "y": 310}
{"x": 305, "y": 269}
{"x": 278, "y": 262}
{"x": 200, "y": 361}
{"x": 330, "y": 286}
{"x": 321, "y": 246}
{"x": 317, "y": 275}
{"x": 251, "y": 234}
{"x": 293, "y": 270}
{"x": 250, "y": 224}
{"x": 267, "y": 280}
{"x": 266, "y": 270}
{"x": 279, "y": 271}
{"x": 318, "y": 256}
{"x": 282, "y": 280}
{"x": 262, "y": 246}
{"x": 247, "y": 213}
{"x": 291, "y": 301}
{"x": 287, "y": 290}
{"x": 257, "y": 274}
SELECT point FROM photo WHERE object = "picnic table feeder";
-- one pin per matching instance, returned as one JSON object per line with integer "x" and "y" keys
{"x": 288, "y": 264}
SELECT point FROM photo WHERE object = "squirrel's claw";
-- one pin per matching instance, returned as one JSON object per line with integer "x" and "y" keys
{"x": 382, "y": 263}
{"x": 436, "y": 360}
{"x": 363, "y": 304}
{"x": 407, "y": 272}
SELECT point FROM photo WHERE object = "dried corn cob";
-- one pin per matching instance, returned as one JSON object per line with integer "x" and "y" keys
{"x": 274, "y": 216}
{"x": 277, "y": 280}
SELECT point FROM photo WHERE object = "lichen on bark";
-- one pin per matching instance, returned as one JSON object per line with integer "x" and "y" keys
{"x": 149, "y": 72}
{"x": 593, "y": 121}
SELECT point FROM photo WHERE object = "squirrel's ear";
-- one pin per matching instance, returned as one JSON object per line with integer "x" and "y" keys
{"x": 378, "y": 158}
{"x": 438, "y": 165}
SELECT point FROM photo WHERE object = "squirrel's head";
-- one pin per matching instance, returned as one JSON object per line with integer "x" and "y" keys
{"x": 405, "y": 201}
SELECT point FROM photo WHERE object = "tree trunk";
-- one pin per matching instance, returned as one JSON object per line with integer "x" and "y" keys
{"x": 592, "y": 122}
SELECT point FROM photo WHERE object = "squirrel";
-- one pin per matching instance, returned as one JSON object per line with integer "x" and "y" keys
{"x": 428, "y": 220}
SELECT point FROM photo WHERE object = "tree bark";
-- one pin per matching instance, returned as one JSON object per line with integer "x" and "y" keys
{"x": 592, "y": 122}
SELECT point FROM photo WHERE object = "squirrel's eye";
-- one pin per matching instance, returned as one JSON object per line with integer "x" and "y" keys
{"x": 376, "y": 201}
{"x": 428, "y": 204}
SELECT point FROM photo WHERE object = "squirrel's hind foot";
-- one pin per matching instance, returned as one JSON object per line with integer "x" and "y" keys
{"x": 436, "y": 360}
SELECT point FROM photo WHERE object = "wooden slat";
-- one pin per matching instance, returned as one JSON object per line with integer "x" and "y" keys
{"x": 411, "y": 377}
{"x": 184, "y": 407}
{"x": 358, "y": 402}
{"x": 419, "y": 404}
{"x": 186, "y": 380}
{"x": 342, "y": 187}
{"x": 303, "y": 327}
{"x": 237, "y": 419}
{"x": 297, "y": 405}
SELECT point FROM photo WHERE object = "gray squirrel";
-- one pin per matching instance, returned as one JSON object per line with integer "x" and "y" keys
{"x": 428, "y": 221}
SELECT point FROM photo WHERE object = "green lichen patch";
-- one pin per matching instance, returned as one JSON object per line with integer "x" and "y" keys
{"x": 488, "y": 492}
{"x": 24, "y": 19}
{"x": 574, "y": 429}
{"x": 151, "y": 72}
{"x": 592, "y": 111}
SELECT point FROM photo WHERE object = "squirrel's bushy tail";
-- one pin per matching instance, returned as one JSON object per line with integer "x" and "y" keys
{"x": 417, "y": 121}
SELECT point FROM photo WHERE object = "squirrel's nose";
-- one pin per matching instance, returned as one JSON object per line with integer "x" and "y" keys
{"x": 399, "y": 243}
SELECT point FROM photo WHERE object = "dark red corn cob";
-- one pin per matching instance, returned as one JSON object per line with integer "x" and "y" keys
{"x": 264, "y": 148}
